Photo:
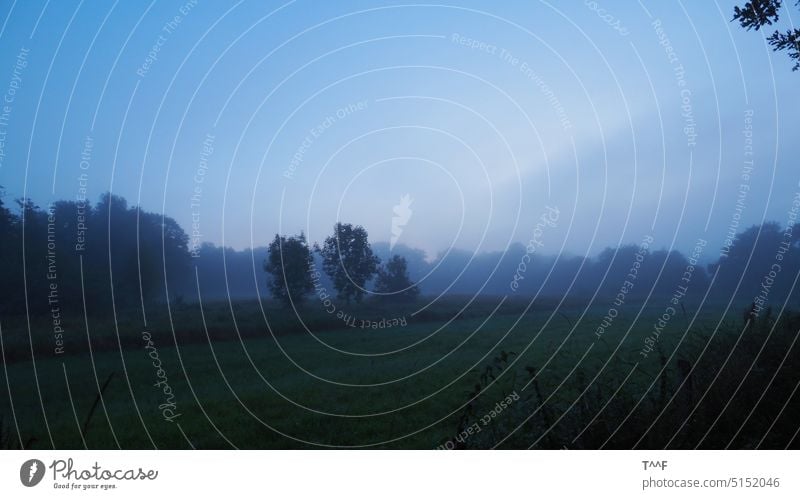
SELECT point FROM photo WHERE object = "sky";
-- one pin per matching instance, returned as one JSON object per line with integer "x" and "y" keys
{"x": 243, "y": 119}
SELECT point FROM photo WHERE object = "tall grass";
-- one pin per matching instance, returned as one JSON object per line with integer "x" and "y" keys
{"x": 733, "y": 388}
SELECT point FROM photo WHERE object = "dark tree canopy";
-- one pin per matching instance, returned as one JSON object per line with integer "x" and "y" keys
{"x": 393, "y": 282}
{"x": 756, "y": 14}
{"x": 348, "y": 260}
{"x": 288, "y": 266}
{"x": 76, "y": 253}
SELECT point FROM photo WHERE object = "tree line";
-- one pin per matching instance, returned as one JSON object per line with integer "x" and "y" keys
{"x": 68, "y": 254}
{"x": 348, "y": 261}
{"x": 109, "y": 254}
{"x": 59, "y": 256}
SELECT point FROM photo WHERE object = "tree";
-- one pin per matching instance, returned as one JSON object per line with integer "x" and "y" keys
{"x": 5, "y": 215}
{"x": 348, "y": 260}
{"x": 759, "y": 13}
{"x": 11, "y": 299}
{"x": 393, "y": 282}
{"x": 288, "y": 265}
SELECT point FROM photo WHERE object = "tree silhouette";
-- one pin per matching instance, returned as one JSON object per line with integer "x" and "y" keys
{"x": 142, "y": 255}
{"x": 11, "y": 267}
{"x": 759, "y": 13}
{"x": 348, "y": 260}
{"x": 393, "y": 282}
{"x": 288, "y": 266}
{"x": 762, "y": 258}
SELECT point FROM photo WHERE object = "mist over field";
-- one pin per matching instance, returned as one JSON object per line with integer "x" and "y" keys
{"x": 368, "y": 224}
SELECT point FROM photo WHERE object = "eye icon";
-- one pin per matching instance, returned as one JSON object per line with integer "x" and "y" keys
{"x": 31, "y": 472}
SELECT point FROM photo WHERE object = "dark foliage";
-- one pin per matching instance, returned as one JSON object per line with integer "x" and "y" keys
{"x": 70, "y": 253}
{"x": 759, "y": 13}
{"x": 288, "y": 267}
{"x": 393, "y": 283}
{"x": 348, "y": 260}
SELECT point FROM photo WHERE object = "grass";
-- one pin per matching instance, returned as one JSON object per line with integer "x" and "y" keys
{"x": 289, "y": 389}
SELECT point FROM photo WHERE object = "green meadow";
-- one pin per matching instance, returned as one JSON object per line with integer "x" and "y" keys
{"x": 458, "y": 375}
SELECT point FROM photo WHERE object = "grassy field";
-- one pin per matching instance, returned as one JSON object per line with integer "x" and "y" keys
{"x": 507, "y": 379}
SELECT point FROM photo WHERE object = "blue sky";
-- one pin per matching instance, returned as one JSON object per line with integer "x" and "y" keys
{"x": 484, "y": 114}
